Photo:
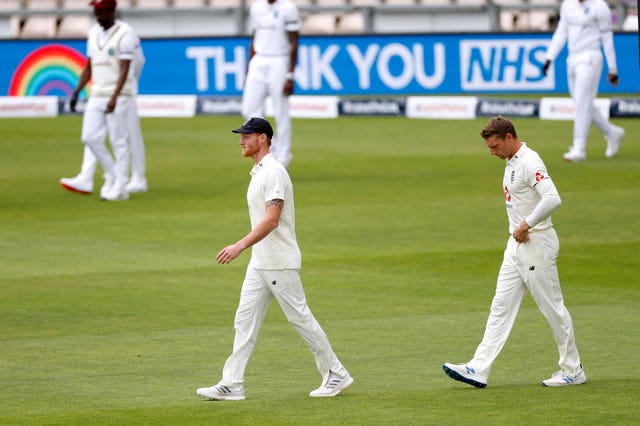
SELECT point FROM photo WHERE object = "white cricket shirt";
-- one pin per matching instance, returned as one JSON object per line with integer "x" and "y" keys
{"x": 270, "y": 24}
{"x": 587, "y": 26}
{"x": 106, "y": 49}
{"x": 529, "y": 192}
{"x": 279, "y": 249}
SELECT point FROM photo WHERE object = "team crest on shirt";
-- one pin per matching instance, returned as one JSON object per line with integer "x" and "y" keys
{"x": 539, "y": 176}
{"x": 112, "y": 52}
{"x": 507, "y": 195}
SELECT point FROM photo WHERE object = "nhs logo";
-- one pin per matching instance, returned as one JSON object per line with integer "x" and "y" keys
{"x": 495, "y": 65}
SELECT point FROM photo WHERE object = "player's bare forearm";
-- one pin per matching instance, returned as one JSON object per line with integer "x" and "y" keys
{"x": 288, "y": 88}
{"x": 85, "y": 76}
{"x": 122, "y": 79}
{"x": 269, "y": 222}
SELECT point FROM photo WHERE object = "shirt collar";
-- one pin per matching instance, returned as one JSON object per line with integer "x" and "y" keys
{"x": 257, "y": 167}
{"x": 518, "y": 154}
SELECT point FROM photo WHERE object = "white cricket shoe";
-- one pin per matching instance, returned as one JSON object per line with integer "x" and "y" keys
{"x": 333, "y": 386}
{"x": 222, "y": 393}
{"x": 115, "y": 193}
{"x": 77, "y": 184}
{"x": 465, "y": 374}
{"x": 136, "y": 185}
{"x": 613, "y": 141}
{"x": 107, "y": 185}
{"x": 561, "y": 378}
{"x": 574, "y": 156}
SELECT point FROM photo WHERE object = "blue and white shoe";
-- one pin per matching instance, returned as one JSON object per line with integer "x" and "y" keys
{"x": 333, "y": 386}
{"x": 465, "y": 374}
{"x": 222, "y": 393}
{"x": 561, "y": 378}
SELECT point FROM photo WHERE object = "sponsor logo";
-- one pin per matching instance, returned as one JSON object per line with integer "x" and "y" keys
{"x": 625, "y": 107}
{"x": 450, "y": 107}
{"x": 29, "y": 106}
{"x": 372, "y": 107}
{"x": 220, "y": 106}
{"x": 493, "y": 107}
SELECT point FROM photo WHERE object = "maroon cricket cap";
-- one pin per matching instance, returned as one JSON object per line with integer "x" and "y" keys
{"x": 103, "y": 4}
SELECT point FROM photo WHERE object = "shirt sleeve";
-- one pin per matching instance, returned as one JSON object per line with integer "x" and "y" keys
{"x": 292, "y": 18}
{"x": 549, "y": 197}
{"x": 559, "y": 36}
{"x": 275, "y": 186}
{"x": 128, "y": 45}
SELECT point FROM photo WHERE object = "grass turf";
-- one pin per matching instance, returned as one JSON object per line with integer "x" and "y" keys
{"x": 113, "y": 313}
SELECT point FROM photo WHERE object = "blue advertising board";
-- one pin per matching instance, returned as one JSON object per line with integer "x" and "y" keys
{"x": 327, "y": 65}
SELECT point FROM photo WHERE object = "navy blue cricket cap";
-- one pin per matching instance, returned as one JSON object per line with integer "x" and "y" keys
{"x": 256, "y": 125}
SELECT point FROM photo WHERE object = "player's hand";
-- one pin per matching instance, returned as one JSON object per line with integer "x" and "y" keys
{"x": 111, "y": 106}
{"x": 287, "y": 90}
{"x": 73, "y": 102}
{"x": 613, "y": 79}
{"x": 228, "y": 253}
{"x": 545, "y": 67}
{"x": 521, "y": 233}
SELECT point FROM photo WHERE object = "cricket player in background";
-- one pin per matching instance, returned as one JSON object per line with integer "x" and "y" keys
{"x": 111, "y": 49}
{"x": 83, "y": 183}
{"x": 273, "y": 54}
{"x": 587, "y": 26}
{"x": 529, "y": 262}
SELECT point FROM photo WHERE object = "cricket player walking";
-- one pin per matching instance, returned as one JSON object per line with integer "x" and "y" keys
{"x": 273, "y": 53}
{"x": 529, "y": 262}
{"x": 83, "y": 182}
{"x": 111, "y": 48}
{"x": 587, "y": 26}
{"x": 273, "y": 273}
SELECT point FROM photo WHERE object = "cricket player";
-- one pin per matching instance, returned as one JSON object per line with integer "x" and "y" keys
{"x": 273, "y": 53}
{"x": 529, "y": 262}
{"x": 273, "y": 272}
{"x": 83, "y": 182}
{"x": 111, "y": 48}
{"x": 587, "y": 26}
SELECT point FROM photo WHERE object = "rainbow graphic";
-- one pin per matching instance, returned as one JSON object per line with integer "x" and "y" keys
{"x": 51, "y": 70}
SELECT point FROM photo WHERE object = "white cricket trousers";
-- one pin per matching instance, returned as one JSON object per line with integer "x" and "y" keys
{"x": 96, "y": 124}
{"x": 583, "y": 74}
{"x": 266, "y": 75}
{"x": 259, "y": 287}
{"x": 136, "y": 147}
{"x": 528, "y": 266}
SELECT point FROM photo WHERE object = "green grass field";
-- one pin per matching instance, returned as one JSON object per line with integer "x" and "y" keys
{"x": 114, "y": 313}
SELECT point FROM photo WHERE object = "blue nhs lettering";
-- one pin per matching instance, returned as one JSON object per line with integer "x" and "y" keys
{"x": 495, "y": 65}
